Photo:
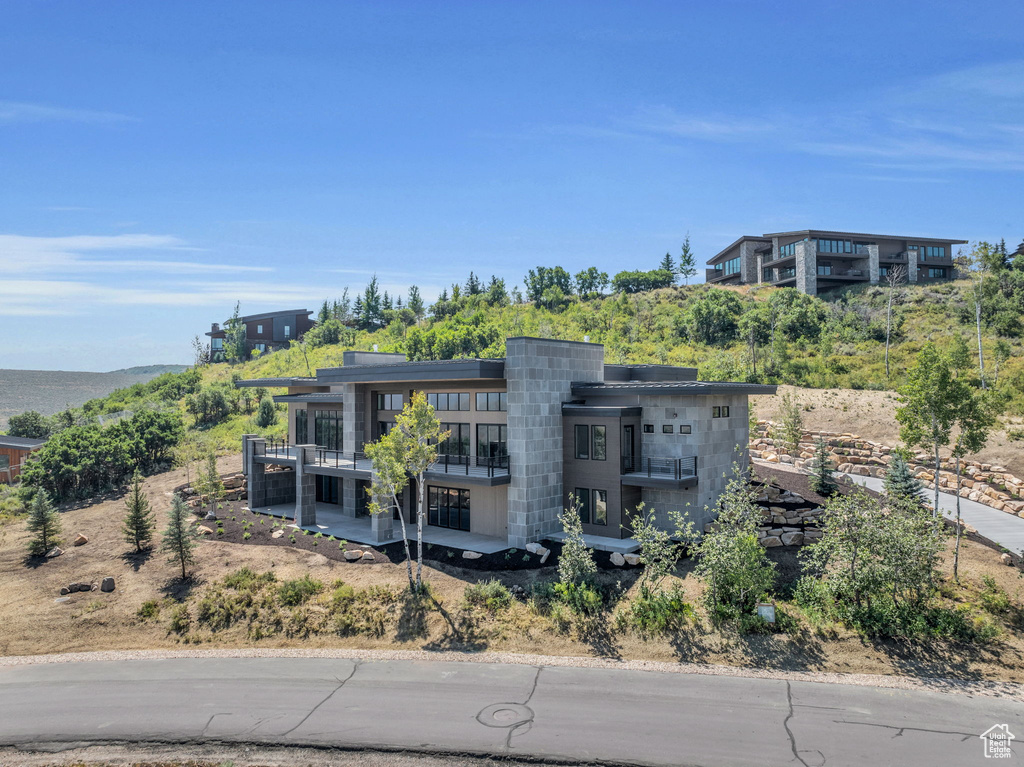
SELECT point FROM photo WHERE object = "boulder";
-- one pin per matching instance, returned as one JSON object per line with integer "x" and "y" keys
{"x": 632, "y": 559}
{"x": 812, "y": 535}
{"x": 1006, "y": 559}
{"x": 204, "y": 530}
{"x": 770, "y": 541}
{"x": 617, "y": 559}
{"x": 353, "y": 555}
{"x": 367, "y": 556}
{"x": 81, "y": 540}
{"x": 211, "y": 514}
{"x": 107, "y": 584}
{"x": 56, "y": 551}
{"x": 277, "y": 534}
{"x": 471, "y": 555}
{"x": 533, "y": 547}
{"x": 792, "y": 539}
{"x": 64, "y": 590}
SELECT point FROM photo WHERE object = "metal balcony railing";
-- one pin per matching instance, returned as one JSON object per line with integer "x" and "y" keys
{"x": 666, "y": 468}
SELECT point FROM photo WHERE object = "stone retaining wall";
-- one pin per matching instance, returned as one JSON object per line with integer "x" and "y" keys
{"x": 982, "y": 482}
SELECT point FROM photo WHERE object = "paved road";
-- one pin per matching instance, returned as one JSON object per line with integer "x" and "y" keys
{"x": 1005, "y": 529}
{"x": 586, "y": 714}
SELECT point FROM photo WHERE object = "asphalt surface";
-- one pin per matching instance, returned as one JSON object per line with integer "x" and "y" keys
{"x": 998, "y": 526}
{"x": 538, "y": 712}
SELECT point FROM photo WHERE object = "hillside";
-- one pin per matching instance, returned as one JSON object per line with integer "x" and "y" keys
{"x": 150, "y": 370}
{"x": 50, "y": 391}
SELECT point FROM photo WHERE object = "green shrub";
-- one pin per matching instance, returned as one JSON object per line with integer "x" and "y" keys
{"x": 180, "y": 619}
{"x": 297, "y": 591}
{"x": 993, "y": 598}
{"x": 342, "y": 596}
{"x": 245, "y": 579}
{"x": 149, "y": 609}
{"x": 654, "y": 611}
{"x": 582, "y": 598}
{"x": 492, "y": 595}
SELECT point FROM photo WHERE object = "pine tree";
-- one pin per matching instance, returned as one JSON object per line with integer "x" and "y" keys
{"x": 43, "y": 523}
{"x": 266, "y": 415}
{"x": 214, "y": 484}
{"x": 687, "y": 265}
{"x": 415, "y": 303}
{"x": 180, "y": 536}
{"x": 900, "y": 484}
{"x": 667, "y": 264}
{"x": 138, "y": 518}
{"x": 822, "y": 480}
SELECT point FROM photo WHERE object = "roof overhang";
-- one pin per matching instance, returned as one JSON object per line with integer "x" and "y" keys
{"x": 600, "y": 411}
{"x": 275, "y": 382}
{"x": 861, "y": 235}
{"x": 685, "y": 388}
{"x": 430, "y": 370}
{"x": 311, "y": 398}
{"x": 724, "y": 251}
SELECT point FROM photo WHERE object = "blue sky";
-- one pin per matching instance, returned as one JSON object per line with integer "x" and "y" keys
{"x": 160, "y": 160}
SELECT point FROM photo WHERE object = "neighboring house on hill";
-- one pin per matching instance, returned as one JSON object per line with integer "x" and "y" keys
{"x": 265, "y": 332}
{"x": 813, "y": 261}
{"x": 549, "y": 421}
{"x": 14, "y": 451}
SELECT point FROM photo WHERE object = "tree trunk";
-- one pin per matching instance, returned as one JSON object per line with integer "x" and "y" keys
{"x": 419, "y": 532}
{"x": 938, "y": 467}
{"x": 405, "y": 541}
{"x": 981, "y": 356}
{"x": 956, "y": 550}
{"x": 888, "y": 331}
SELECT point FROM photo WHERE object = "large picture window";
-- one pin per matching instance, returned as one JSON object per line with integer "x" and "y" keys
{"x": 389, "y": 401}
{"x": 457, "y": 444}
{"x": 448, "y": 507}
{"x": 327, "y": 429}
{"x": 599, "y": 443}
{"x": 600, "y": 507}
{"x": 491, "y": 400}
{"x": 449, "y": 400}
{"x": 583, "y": 498}
{"x": 301, "y": 427}
{"x": 492, "y": 444}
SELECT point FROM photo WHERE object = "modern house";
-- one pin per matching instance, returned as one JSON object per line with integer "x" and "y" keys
{"x": 814, "y": 260}
{"x": 14, "y": 451}
{"x": 265, "y": 332}
{"x": 547, "y": 422}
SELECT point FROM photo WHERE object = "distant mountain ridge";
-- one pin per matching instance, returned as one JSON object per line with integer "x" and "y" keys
{"x": 50, "y": 391}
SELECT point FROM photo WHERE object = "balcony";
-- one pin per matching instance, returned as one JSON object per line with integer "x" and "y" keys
{"x": 718, "y": 275}
{"x": 826, "y": 272}
{"x": 673, "y": 473}
{"x": 356, "y": 465}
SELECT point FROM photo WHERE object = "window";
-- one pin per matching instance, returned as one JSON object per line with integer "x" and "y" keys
{"x": 599, "y": 443}
{"x": 259, "y": 330}
{"x": 217, "y": 344}
{"x": 935, "y": 252}
{"x": 824, "y": 270}
{"x": 448, "y": 507}
{"x": 883, "y": 271}
{"x": 457, "y": 444}
{"x": 648, "y": 428}
{"x": 787, "y": 273}
{"x": 732, "y": 266}
{"x": 582, "y": 441}
{"x": 384, "y": 428}
{"x": 937, "y": 271}
{"x": 491, "y": 400}
{"x": 685, "y": 428}
{"x": 583, "y": 498}
{"x": 725, "y": 411}
{"x": 835, "y": 246}
{"x": 327, "y": 429}
{"x": 785, "y": 251}
{"x": 449, "y": 401}
{"x": 260, "y": 347}
{"x": 600, "y": 507}
{"x": 5, "y": 462}
{"x": 301, "y": 427}
{"x": 667, "y": 428}
{"x": 720, "y": 412}
{"x": 492, "y": 444}
{"x": 389, "y": 401}
{"x": 287, "y": 331}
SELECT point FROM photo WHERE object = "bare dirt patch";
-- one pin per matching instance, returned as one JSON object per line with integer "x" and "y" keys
{"x": 872, "y": 415}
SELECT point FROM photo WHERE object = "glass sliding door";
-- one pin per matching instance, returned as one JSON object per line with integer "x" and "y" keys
{"x": 492, "y": 444}
{"x": 448, "y": 507}
{"x": 328, "y": 429}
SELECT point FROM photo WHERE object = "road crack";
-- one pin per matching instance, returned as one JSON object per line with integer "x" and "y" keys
{"x": 341, "y": 683}
{"x": 792, "y": 737}
{"x": 900, "y": 730}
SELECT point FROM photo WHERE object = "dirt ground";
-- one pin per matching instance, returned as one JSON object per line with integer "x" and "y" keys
{"x": 872, "y": 415}
{"x": 34, "y": 623}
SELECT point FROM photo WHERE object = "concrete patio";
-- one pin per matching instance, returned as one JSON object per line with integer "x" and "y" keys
{"x": 330, "y": 521}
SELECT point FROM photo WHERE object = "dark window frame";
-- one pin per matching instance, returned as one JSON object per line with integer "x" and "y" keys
{"x": 440, "y": 508}
{"x": 685, "y": 428}
{"x": 581, "y": 435}
{"x": 603, "y": 520}
{"x": 648, "y": 428}
{"x": 594, "y": 442}
{"x": 583, "y": 499}
{"x": 301, "y": 427}
{"x": 493, "y": 401}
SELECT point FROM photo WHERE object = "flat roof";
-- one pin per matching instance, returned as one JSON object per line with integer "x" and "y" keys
{"x": 316, "y": 396}
{"x": 24, "y": 443}
{"x": 672, "y": 387}
{"x": 271, "y": 315}
{"x": 283, "y": 381}
{"x": 726, "y": 249}
{"x": 868, "y": 236}
{"x": 424, "y": 370}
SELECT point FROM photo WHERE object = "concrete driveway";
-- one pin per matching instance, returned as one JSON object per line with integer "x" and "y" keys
{"x": 535, "y": 712}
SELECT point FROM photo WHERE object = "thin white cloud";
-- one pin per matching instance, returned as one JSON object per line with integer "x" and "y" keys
{"x": 23, "y": 112}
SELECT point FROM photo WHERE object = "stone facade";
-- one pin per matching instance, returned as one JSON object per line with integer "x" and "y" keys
{"x": 806, "y": 267}
{"x": 539, "y": 373}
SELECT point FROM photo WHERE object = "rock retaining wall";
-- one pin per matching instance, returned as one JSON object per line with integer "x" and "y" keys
{"x": 982, "y": 482}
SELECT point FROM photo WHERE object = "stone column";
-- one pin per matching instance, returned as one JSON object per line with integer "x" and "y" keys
{"x": 911, "y": 266}
{"x": 807, "y": 267}
{"x": 354, "y": 418}
{"x": 305, "y": 486}
{"x": 539, "y": 373}
{"x": 257, "y": 489}
{"x": 873, "y": 263}
{"x": 760, "y": 268}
